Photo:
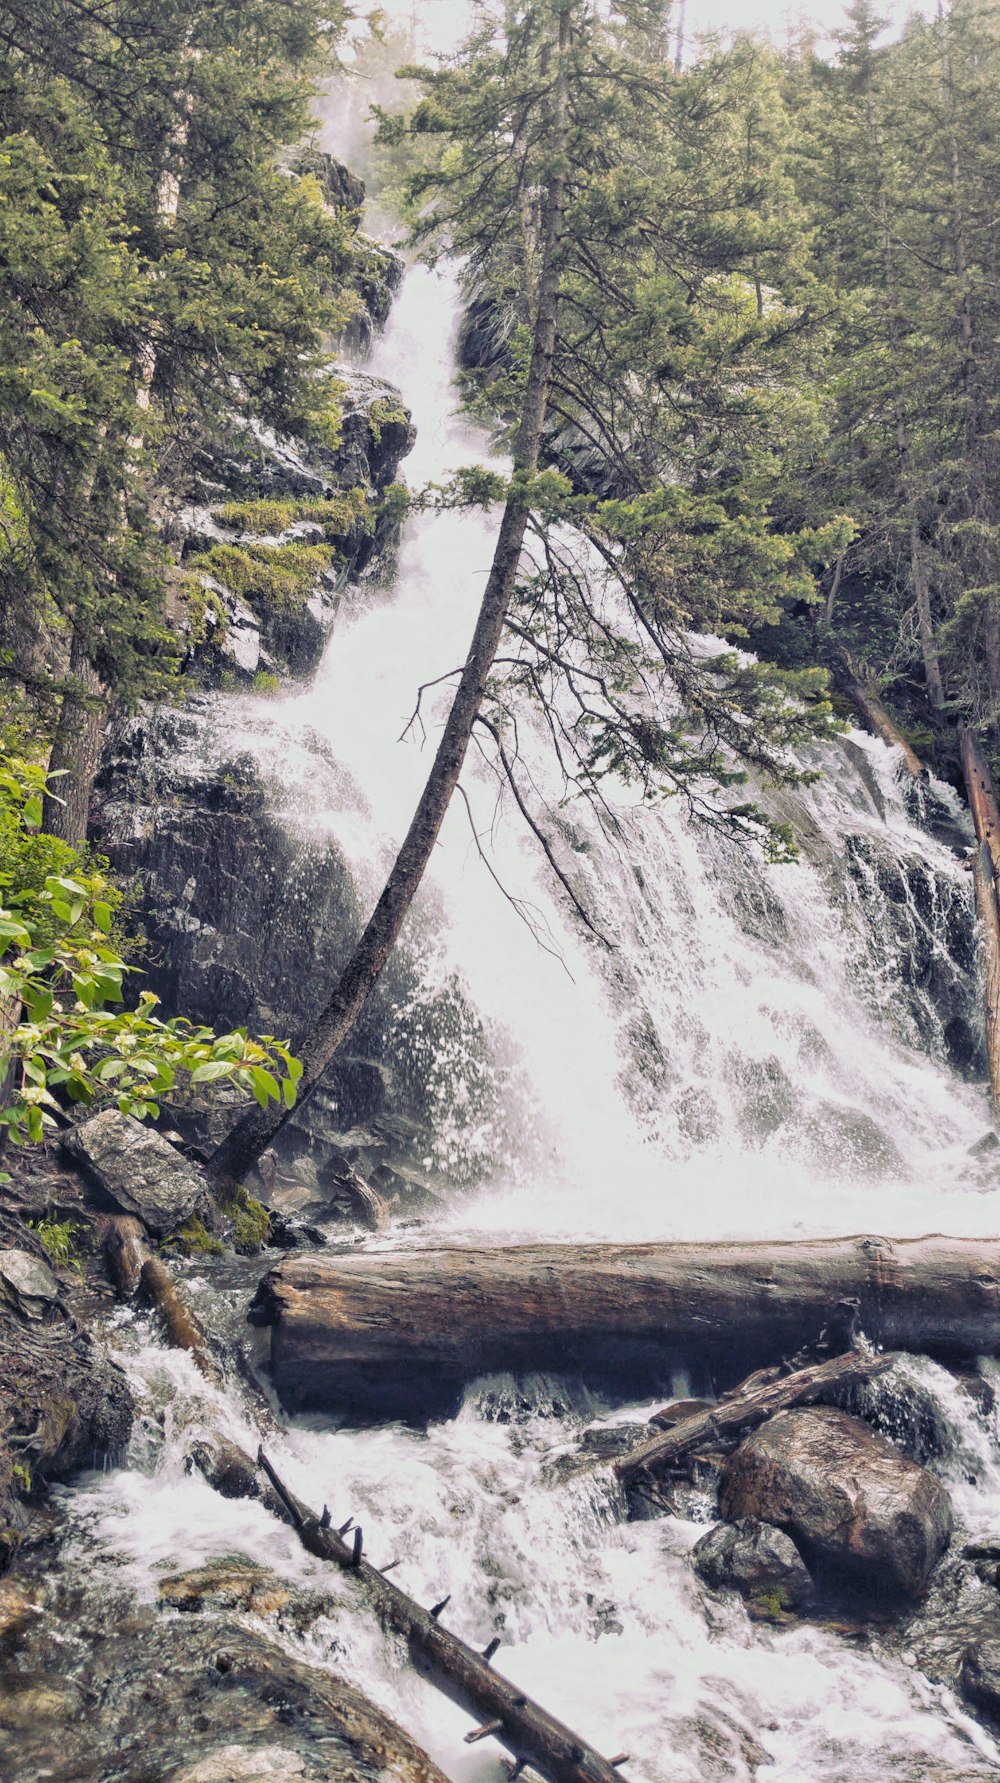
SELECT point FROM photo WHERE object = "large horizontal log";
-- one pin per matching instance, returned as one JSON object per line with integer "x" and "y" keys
{"x": 396, "y": 1334}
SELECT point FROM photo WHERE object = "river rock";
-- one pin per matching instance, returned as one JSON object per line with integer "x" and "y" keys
{"x": 979, "y": 1677}
{"x": 845, "y": 1493}
{"x": 755, "y": 1559}
{"x": 233, "y": 1583}
{"x": 27, "y": 1284}
{"x": 137, "y": 1170}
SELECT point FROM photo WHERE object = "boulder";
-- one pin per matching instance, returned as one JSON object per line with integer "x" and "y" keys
{"x": 27, "y": 1285}
{"x": 136, "y": 1170}
{"x": 846, "y": 1494}
{"x": 755, "y": 1559}
{"x": 979, "y": 1678}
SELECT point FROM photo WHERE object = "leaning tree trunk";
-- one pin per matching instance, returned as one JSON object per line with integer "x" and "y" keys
{"x": 403, "y": 1333}
{"x": 254, "y": 1133}
{"x": 872, "y": 713}
{"x": 76, "y": 750}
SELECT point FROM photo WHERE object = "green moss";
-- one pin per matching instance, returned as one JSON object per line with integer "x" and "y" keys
{"x": 339, "y": 515}
{"x": 202, "y": 602}
{"x": 268, "y": 576}
{"x": 383, "y": 413}
{"x": 22, "y": 1476}
{"x": 251, "y": 1222}
{"x": 192, "y": 1238}
{"x": 266, "y": 683}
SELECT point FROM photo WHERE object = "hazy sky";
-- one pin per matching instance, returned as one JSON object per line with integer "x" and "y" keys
{"x": 440, "y": 21}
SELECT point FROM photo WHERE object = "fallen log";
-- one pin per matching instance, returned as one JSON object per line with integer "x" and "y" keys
{"x": 184, "y": 1330}
{"x": 402, "y": 1333}
{"x": 134, "y": 1269}
{"x": 749, "y": 1406}
{"x": 126, "y": 1248}
{"x": 500, "y": 1709}
{"x": 986, "y": 881}
{"x": 873, "y": 714}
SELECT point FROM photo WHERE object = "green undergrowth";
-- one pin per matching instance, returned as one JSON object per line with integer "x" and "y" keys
{"x": 339, "y": 515}
{"x": 58, "y": 1239}
{"x": 281, "y": 577}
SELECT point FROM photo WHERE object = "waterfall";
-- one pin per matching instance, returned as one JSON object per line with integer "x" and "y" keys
{"x": 767, "y": 1050}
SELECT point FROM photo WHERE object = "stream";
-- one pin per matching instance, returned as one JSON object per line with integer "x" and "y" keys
{"x": 768, "y": 1051}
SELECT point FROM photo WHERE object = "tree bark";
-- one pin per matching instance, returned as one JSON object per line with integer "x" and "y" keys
{"x": 986, "y": 880}
{"x": 240, "y": 1151}
{"x": 502, "y": 1711}
{"x": 873, "y": 714}
{"x": 76, "y": 750}
{"x": 750, "y": 1405}
{"x": 403, "y": 1333}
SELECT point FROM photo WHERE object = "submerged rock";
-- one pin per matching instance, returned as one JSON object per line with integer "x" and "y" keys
{"x": 755, "y": 1559}
{"x": 979, "y": 1678}
{"x": 234, "y": 1583}
{"x": 186, "y": 1700}
{"x": 846, "y": 1494}
{"x": 136, "y": 1170}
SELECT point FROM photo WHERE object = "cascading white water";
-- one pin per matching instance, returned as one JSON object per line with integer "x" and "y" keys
{"x": 734, "y": 1068}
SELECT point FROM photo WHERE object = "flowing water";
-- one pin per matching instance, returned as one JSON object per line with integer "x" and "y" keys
{"x": 766, "y": 1051}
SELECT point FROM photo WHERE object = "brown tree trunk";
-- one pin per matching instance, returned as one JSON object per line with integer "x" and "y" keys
{"x": 385, "y": 1335}
{"x": 873, "y": 714}
{"x": 254, "y": 1133}
{"x": 986, "y": 879}
{"x": 76, "y": 750}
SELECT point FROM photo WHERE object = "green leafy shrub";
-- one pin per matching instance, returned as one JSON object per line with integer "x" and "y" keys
{"x": 267, "y": 683}
{"x": 64, "y": 1036}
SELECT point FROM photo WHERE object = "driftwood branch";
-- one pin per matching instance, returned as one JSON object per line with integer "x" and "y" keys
{"x": 501, "y": 1710}
{"x": 750, "y": 1405}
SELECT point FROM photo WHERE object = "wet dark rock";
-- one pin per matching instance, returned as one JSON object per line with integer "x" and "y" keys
{"x": 958, "y": 1612}
{"x": 755, "y": 1559}
{"x": 678, "y": 1410}
{"x": 979, "y": 1678}
{"x": 376, "y": 432}
{"x": 849, "y": 1498}
{"x": 63, "y": 1404}
{"x": 342, "y": 189}
{"x": 850, "y": 1142}
{"x": 136, "y": 1171}
{"x": 377, "y": 277}
{"x": 185, "y": 1699}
